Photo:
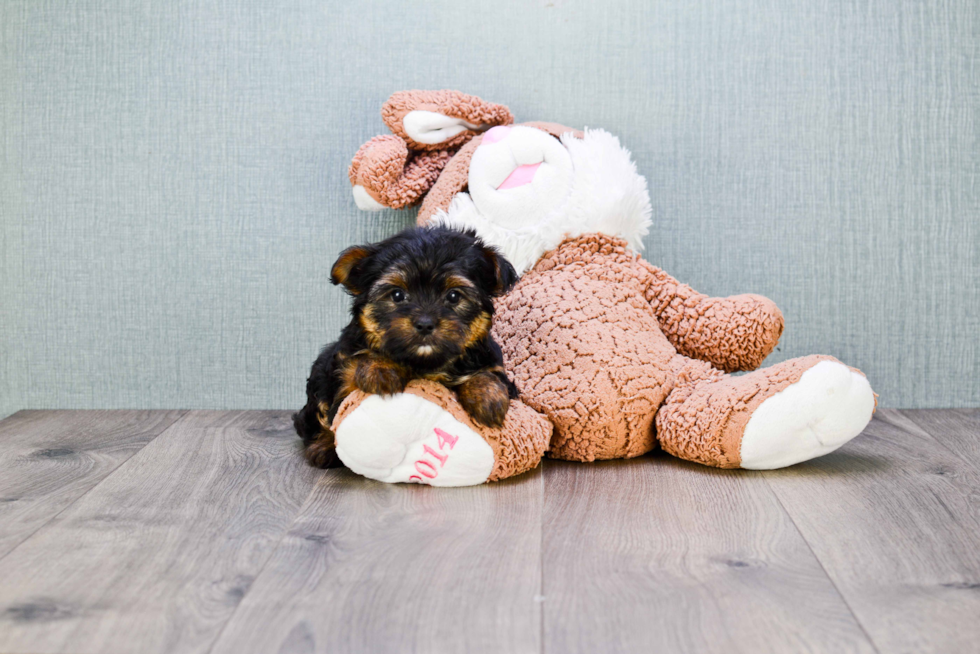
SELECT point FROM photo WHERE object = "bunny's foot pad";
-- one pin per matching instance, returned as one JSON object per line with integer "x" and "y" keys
{"x": 828, "y": 406}
{"x": 406, "y": 438}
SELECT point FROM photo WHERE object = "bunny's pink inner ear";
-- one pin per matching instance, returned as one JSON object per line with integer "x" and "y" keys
{"x": 441, "y": 120}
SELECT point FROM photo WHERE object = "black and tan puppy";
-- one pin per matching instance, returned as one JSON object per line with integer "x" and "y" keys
{"x": 423, "y": 305}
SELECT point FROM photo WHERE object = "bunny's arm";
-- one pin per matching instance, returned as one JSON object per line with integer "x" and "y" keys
{"x": 731, "y": 333}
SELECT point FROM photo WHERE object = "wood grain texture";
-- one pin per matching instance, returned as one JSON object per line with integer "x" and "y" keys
{"x": 157, "y": 557}
{"x": 660, "y": 555}
{"x": 895, "y": 520}
{"x": 957, "y": 429}
{"x": 370, "y": 567}
{"x": 214, "y": 536}
{"x": 49, "y": 459}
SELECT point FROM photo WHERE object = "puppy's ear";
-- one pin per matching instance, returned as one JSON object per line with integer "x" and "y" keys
{"x": 350, "y": 267}
{"x": 504, "y": 275}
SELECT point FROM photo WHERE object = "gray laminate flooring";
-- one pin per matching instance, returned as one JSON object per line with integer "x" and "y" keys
{"x": 204, "y": 531}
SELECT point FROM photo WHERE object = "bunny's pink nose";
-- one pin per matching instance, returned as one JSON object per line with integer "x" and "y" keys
{"x": 495, "y": 134}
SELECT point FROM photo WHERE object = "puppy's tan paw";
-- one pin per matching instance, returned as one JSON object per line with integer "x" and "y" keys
{"x": 485, "y": 399}
{"x": 380, "y": 377}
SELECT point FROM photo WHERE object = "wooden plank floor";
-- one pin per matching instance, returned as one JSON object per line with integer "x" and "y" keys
{"x": 169, "y": 531}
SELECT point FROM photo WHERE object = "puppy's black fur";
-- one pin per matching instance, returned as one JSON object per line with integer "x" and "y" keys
{"x": 423, "y": 305}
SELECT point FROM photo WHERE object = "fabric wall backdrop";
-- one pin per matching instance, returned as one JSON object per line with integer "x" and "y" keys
{"x": 173, "y": 180}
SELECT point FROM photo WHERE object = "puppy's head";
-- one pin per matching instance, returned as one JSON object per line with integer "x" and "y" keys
{"x": 425, "y": 295}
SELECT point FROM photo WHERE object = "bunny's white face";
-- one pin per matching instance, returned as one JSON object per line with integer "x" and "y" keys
{"x": 519, "y": 175}
{"x": 529, "y": 191}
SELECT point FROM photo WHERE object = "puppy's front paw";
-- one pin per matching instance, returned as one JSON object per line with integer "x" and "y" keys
{"x": 380, "y": 377}
{"x": 485, "y": 399}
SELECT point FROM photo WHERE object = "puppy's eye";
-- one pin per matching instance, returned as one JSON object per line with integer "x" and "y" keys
{"x": 454, "y": 296}
{"x": 397, "y": 296}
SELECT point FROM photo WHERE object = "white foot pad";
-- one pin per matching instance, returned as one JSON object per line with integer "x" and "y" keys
{"x": 404, "y": 438}
{"x": 364, "y": 201}
{"x": 828, "y": 406}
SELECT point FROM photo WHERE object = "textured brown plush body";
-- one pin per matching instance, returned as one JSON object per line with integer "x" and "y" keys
{"x": 591, "y": 337}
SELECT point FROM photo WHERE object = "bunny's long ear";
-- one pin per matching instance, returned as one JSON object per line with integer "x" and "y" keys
{"x": 428, "y": 127}
{"x": 385, "y": 174}
{"x": 438, "y": 120}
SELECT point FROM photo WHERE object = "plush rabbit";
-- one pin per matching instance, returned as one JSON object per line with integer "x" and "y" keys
{"x": 612, "y": 356}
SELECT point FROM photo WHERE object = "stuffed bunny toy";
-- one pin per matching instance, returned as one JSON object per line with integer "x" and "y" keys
{"x": 613, "y": 357}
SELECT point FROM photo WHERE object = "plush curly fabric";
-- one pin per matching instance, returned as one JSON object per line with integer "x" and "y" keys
{"x": 392, "y": 175}
{"x": 584, "y": 348}
{"x": 586, "y": 335}
{"x": 753, "y": 323}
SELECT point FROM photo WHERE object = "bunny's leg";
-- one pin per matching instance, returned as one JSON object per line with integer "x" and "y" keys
{"x": 424, "y": 436}
{"x": 732, "y": 333}
{"x": 771, "y": 418}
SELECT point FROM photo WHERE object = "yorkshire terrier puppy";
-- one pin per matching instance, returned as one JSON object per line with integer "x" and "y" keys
{"x": 423, "y": 305}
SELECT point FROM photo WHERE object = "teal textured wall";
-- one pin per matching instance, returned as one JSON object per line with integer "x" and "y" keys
{"x": 173, "y": 175}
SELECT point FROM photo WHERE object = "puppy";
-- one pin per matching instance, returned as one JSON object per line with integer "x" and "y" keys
{"x": 423, "y": 305}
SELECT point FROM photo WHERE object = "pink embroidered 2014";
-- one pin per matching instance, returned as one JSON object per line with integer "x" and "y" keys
{"x": 428, "y": 469}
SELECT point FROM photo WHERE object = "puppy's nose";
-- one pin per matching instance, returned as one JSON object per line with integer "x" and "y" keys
{"x": 425, "y": 325}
